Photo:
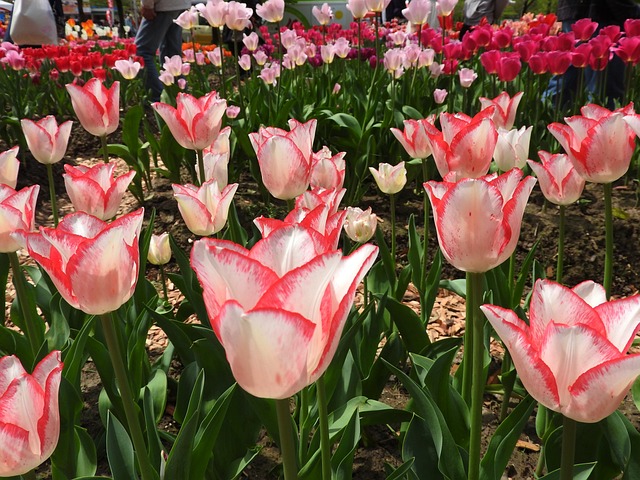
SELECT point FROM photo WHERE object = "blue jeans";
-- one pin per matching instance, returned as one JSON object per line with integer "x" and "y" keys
{"x": 160, "y": 33}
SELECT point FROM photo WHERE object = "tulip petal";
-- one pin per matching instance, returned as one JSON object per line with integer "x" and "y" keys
{"x": 15, "y": 456}
{"x": 10, "y": 369}
{"x": 621, "y": 320}
{"x": 195, "y": 214}
{"x": 113, "y": 196}
{"x": 611, "y": 139}
{"x": 285, "y": 170}
{"x": 598, "y": 392}
{"x": 178, "y": 127}
{"x": 591, "y": 292}
{"x": 86, "y": 195}
{"x": 89, "y": 110}
{"x": 472, "y": 149}
{"x": 16, "y": 410}
{"x": 532, "y": 370}
{"x": 267, "y": 349}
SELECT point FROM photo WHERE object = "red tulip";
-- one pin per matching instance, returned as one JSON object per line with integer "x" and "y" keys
{"x": 285, "y": 158}
{"x": 538, "y": 63}
{"x": 196, "y": 123}
{"x": 17, "y": 212}
{"x": 93, "y": 264}
{"x": 47, "y": 140}
{"x": 508, "y": 67}
{"x": 584, "y": 28}
{"x": 478, "y": 220}
{"x": 628, "y": 50}
{"x": 279, "y": 308}
{"x": 96, "y": 107}
{"x": 599, "y": 143}
{"x": 558, "y": 62}
{"x": 559, "y": 181}
{"x": 94, "y": 190}
{"x": 490, "y": 60}
{"x": 632, "y": 27}
{"x": 465, "y": 146}
{"x": 506, "y": 108}
{"x": 30, "y": 424}
{"x": 571, "y": 356}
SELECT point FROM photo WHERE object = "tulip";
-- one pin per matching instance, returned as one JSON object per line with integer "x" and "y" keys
{"x": 599, "y": 143}
{"x": 417, "y": 11}
{"x": 159, "y": 249}
{"x": 323, "y": 15}
{"x": 94, "y": 190}
{"x": 440, "y": 95}
{"x": 30, "y": 424}
{"x": 238, "y": 16}
{"x": 260, "y": 57}
{"x": 128, "y": 68}
{"x": 336, "y": 88}
{"x": 9, "y": 166}
{"x": 47, "y": 140}
{"x": 245, "y": 62}
{"x": 571, "y": 356}
{"x": 505, "y": 109}
{"x": 512, "y": 148}
{"x": 188, "y": 19}
{"x": 414, "y": 138}
{"x": 285, "y": 158}
{"x": 93, "y": 264}
{"x": 465, "y": 145}
{"x": 310, "y": 199}
{"x": 214, "y": 12}
{"x": 445, "y": 7}
{"x": 358, "y": 8}
{"x": 271, "y": 10}
{"x": 584, "y": 29}
{"x": 327, "y": 170}
{"x": 467, "y": 77}
{"x": 96, "y": 106}
{"x": 251, "y": 41}
{"x": 264, "y": 305}
{"x": 390, "y": 179}
{"x": 196, "y": 122}
{"x": 17, "y": 212}
{"x": 205, "y": 208}
{"x": 559, "y": 181}
{"x": 216, "y": 160}
{"x": 478, "y": 220}
{"x": 360, "y": 225}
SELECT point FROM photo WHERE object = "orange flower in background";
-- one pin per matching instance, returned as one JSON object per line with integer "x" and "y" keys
{"x": 71, "y": 22}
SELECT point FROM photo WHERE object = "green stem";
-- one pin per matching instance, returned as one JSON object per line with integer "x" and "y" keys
{"x": 568, "y": 448}
{"x": 507, "y": 386}
{"x": 393, "y": 230}
{"x": 608, "y": 225}
{"x": 286, "y": 440}
{"x": 478, "y": 380}
{"x": 303, "y": 409}
{"x": 560, "y": 264}
{"x": 222, "y": 79}
{"x": 34, "y": 334}
{"x": 235, "y": 48}
{"x": 323, "y": 418}
{"x": 164, "y": 283}
{"x": 365, "y": 291}
{"x": 425, "y": 233}
{"x": 130, "y": 408}
{"x": 467, "y": 359}
{"x": 105, "y": 153}
{"x": 52, "y": 194}
{"x": 201, "y": 173}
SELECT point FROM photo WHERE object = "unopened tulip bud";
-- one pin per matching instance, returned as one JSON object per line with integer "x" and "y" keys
{"x": 390, "y": 179}
{"x": 159, "y": 249}
{"x": 440, "y": 95}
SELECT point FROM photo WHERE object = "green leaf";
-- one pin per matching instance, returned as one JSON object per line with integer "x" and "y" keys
{"x": 348, "y": 121}
{"x": 342, "y": 458}
{"x": 580, "y": 472}
{"x": 615, "y": 432}
{"x": 131, "y": 126}
{"x": 59, "y": 332}
{"x": 402, "y": 470}
{"x": 504, "y": 441}
{"x": 412, "y": 330}
{"x": 120, "y": 450}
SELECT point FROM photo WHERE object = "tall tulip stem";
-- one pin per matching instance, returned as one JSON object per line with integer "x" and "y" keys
{"x": 164, "y": 283}
{"x": 393, "y": 230}
{"x": 222, "y": 80}
{"x": 608, "y": 225}
{"x": 477, "y": 378}
{"x": 105, "y": 152}
{"x": 52, "y": 194}
{"x": 130, "y": 410}
{"x": 323, "y": 419}
{"x": 425, "y": 209}
{"x": 201, "y": 173}
{"x": 287, "y": 449}
{"x": 29, "y": 314}
{"x": 568, "y": 448}
{"x": 467, "y": 361}
{"x": 560, "y": 264}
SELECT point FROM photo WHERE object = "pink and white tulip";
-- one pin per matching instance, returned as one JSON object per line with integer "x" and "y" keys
{"x": 271, "y": 10}
{"x": 360, "y": 225}
{"x": 327, "y": 170}
{"x": 94, "y": 190}
{"x": 17, "y": 212}
{"x": 214, "y": 12}
{"x": 512, "y": 148}
{"x": 506, "y": 108}
{"x": 97, "y": 107}
{"x": 559, "y": 181}
{"x": 30, "y": 425}
{"x": 204, "y": 209}
{"x": 159, "y": 249}
{"x": 572, "y": 355}
{"x": 478, "y": 220}
{"x": 9, "y": 166}
{"x": 238, "y": 16}
{"x": 414, "y": 137}
{"x": 128, "y": 68}
{"x": 390, "y": 179}
{"x": 323, "y": 15}
{"x": 47, "y": 140}
{"x": 268, "y": 305}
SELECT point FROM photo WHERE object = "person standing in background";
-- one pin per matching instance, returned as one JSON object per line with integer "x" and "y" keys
{"x": 58, "y": 16}
{"x": 158, "y": 31}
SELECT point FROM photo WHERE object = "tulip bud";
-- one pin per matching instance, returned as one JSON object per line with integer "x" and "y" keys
{"x": 159, "y": 249}
{"x": 390, "y": 179}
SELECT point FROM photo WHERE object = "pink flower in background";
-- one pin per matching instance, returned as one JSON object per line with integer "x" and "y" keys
{"x": 327, "y": 170}
{"x": 204, "y": 209}
{"x": 264, "y": 305}
{"x": 478, "y": 220}
{"x": 467, "y": 77}
{"x": 97, "y": 107}
{"x": 390, "y": 179}
{"x": 188, "y": 19}
{"x": 465, "y": 145}
{"x": 251, "y": 41}
{"x": 440, "y": 95}
{"x": 285, "y": 158}
{"x": 377, "y": 5}
{"x": 360, "y": 225}
{"x": 245, "y": 62}
{"x": 336, "y": 89}
{"x": 572, "y": 355}
{"x": 238, "y": 16}
{"x": 166, "y": 78}
{"x": 9, "y": 166}
{"x": 214, "y": 12}
{"x": 599, "y": 142}
{"x": 506, "y": 108}
{"x": 445, "y": 7}
{"x": 232, "y": 111}
{"x": 196, "y": 122}
{"x": 584, "y": 29}
{"x": 260, "y": 57}
{"x": 182, "y": 83}
{"x": 30, "y": 425}
{"x": 17, "y": 212}
{"x": 173, "y": 65}
{"x": 559, "y": 181}
{"x": 94, "y": 190}
{"x": 214, "y": 57}
{"x": 216, "y": 160}
{"x": 128, "y": 68}
{"x": 358, "y": 8}
{"x": 417, "y": 11}
{"x": 414, "y": 137}
{"x": 270, "y": 74}
{"x": 271, "y": 10}
{"x": 14, "y": 59}
{"x": 93, "y": 264}
{"x": 323, "y": 15}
